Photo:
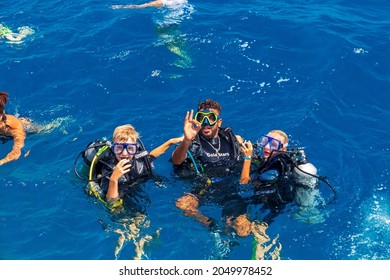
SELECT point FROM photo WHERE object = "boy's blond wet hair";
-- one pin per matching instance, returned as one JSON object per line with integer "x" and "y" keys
{"x": 282, "y": 135}
{"x": 125, "y": 132}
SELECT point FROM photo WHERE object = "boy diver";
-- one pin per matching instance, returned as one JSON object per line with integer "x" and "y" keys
{"x": 117, "y": 170}
{"x": 121, "y": 165}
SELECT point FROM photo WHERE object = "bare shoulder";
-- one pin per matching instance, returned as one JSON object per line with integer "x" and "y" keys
{"x": 14, "y": 123}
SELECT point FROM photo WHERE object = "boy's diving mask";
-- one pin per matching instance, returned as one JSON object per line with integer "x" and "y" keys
{"x": 207, "y": 117}
{"x": 118, "y": 148}
{"x": 274, "y": 143}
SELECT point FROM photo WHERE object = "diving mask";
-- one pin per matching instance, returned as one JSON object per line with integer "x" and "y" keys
{"x": 207, "y": 117}
{"x": 274, "y": 143}
{"x": 118, "y": 148}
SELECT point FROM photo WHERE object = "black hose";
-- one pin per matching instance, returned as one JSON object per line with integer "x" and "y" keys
{"x": 75, "y": 169}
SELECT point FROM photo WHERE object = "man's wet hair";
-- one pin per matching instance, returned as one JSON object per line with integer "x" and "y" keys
{"x": 209, "y": 104}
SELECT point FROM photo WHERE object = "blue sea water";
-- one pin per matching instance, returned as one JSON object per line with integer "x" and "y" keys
{"x": 318, "y": 70}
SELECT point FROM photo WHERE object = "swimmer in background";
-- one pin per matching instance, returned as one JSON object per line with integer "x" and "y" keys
{"x": 22, "y": 33}
{"x": 16, "y": 128}
{"x": 11, "y": 127}
{"x": 156, "y": 4}
{"x": 173, "y": 12}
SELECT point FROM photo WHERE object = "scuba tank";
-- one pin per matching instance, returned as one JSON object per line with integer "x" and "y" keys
{"x": 304, "y": 172}
{"x": 90, "y": 151}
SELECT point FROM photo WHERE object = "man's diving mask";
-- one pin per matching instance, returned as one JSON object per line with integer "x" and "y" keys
{"x": 207, "y": 117}
{"x": 118, "y": 148}
{"x": 274, "y": 144}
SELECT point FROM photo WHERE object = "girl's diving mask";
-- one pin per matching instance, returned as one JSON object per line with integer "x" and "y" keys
{"x": 274, "y": 143}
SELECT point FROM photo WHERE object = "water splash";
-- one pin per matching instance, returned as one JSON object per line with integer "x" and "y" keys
{"x": 264, "y": 248}
{"x": 131, "y": 230}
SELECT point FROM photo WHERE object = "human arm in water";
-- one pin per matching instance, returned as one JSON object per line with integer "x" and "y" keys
{"x": 14, "y": 128}
{"x": 247, "y": 150}
{"x": 191, "y": 128}
{"x": 165, "y": 146}
{"x": 156, "y": 3}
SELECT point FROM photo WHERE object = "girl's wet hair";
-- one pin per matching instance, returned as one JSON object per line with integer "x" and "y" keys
{"x": 281, "y": 134}
{"x": 3, "y": 101}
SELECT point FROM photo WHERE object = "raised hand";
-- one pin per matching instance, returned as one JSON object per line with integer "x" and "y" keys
{"x": 120, "y": 169}
{"x": 191, "y": 127}
{"x": 247, "y": 148}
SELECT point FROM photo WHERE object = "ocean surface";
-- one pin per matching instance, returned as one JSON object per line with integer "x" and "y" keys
{"x": 319, "y": 70}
